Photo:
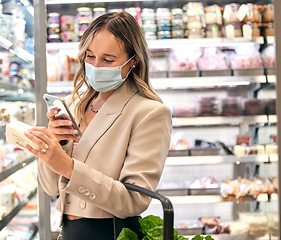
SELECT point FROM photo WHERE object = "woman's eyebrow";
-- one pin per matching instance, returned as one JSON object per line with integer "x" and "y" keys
{"x": 109, "y": 55}
{"x": 105, "y": 54}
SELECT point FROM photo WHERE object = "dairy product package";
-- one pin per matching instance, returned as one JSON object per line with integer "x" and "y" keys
{"x": 15, "y": 135}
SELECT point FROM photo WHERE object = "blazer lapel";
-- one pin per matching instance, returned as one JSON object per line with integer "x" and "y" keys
{"x": 104, "y": 119}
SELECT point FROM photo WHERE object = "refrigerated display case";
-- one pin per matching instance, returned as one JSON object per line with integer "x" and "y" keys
{"x": 214, "y": 109}
{"x": 17, "y": 102}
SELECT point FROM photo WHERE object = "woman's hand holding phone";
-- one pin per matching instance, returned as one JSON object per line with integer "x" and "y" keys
{"x": 61, "y": 125}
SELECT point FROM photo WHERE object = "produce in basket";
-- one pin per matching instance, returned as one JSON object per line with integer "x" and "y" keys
{"x": 152, "y": 227}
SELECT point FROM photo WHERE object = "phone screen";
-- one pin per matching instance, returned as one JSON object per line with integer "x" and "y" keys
{"x": 54, "y": 101}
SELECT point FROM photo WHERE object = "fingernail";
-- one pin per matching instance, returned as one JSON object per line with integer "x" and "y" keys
{"x": 75, "y": 131}
{"x": 69, "y": 123}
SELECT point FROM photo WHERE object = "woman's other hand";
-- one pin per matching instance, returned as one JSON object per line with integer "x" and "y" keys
{"x": 50, "y": 152}
{"x": 61, "y": 125}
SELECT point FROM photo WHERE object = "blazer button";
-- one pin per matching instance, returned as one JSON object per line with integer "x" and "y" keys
{"x": 92, "y": 196}
{"x": 81, "y": 189}
{"x": 87, "y": 192}
{"x": 82, "y": 204}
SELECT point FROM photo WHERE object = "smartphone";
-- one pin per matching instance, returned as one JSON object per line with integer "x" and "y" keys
{"x": 54, "y": 101}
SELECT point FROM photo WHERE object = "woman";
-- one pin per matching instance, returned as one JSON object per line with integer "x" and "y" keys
{"x": 126, "y": 133}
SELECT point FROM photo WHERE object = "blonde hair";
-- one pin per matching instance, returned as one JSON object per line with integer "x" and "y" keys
{"x": 126, "y": 29}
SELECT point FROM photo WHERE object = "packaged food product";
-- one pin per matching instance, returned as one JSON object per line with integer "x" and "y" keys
{"x": 184, "y": 58}
{"x": 84, "y": 18}
{"x": 246, "y": 57}
{"x": 177, "y": 13}
{"x": 258, "y": 223}
{"x": 230, "y": 13}
{"x": 54, "y": 37}
{"x": 213, "y": 15}
{"x": 164, "y": 25}
{"x": 98, "y": 11}
{"x": 233, "y": 30}
{"x": 163, "y": 13}
{"x": 268, "y": 56}
{"x": 53, "y": 17}
{"x": 84, "y": 12}
{"x": 150, "y": 35}
{"x": 268, "y": 13}
{"x": 194, "y": 9}
{"x": 194, "y": 22}
{"x": 149, "y": 25}
{"x": 195, "y": 33}
{"x": 148, "y": 14}
{"x": 177, "y": 24}
{"x": 53, "y": 28}
{"x": 251, "y": 30}
{"x": 164, "y": 34}
{"x": 213, "y": 31}
{"x": 268, "y": 29}
{"x": 178, "y": 33}
{"x": 212, "y": 59}
{"x": 67, "y": 22}
{"x": 253, "y": 13}
{"x": 68, "y": 36}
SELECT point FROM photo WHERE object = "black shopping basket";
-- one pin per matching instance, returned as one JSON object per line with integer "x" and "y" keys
{"x": 168, "y": 212}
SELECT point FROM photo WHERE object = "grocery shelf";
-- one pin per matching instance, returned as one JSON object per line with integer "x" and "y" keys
{"x": 176, "y": 82}
{"x": 6, "y": 173}
{"x": 190, "y": 82}
{"x": 5, "y": 86}
{"x": 206, "y": 42}
{"x": 19, "y": 52}
{"x": 221, "y": 120}
{"x": 271, "y": 79}
{"x": 5, "y": 220}
{"x": 206, "y": 199}
{"x": 169, "y": 43}
{"x": 218, "y": 159}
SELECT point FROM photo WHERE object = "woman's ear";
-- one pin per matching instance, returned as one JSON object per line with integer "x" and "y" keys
{"x": 136, "y": 61}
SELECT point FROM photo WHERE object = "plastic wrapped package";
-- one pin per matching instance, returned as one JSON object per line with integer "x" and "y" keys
{"x": 214, "y": 225}
{"x": 53, "y": 67}
{"x": 183, "y": 111}
{"x": 212, "y": 59}
{"x": 182, "y": 62}
{"x": 239, "y": 228}
{"x": 268, "y": 56}
{"x": 273, "y": 222}
{"x": 159, "y": 64}
{"x": 184, "y": 59}
{"x": 254, "y": 107}
{"x": 246, "y": 57}
{"x": 231, "y": 106}
{"x": 208, "y": 106}
{"x": 258, "y": 223}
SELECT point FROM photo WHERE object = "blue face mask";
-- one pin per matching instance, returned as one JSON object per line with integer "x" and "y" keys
{"x": 104, "y": 79}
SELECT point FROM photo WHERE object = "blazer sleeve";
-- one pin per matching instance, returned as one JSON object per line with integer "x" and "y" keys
{"x": 146, "y": 153}
{"x": 48, "y": 178}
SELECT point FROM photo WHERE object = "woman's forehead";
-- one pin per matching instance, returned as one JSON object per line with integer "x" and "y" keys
{"x": 105, "y": 42}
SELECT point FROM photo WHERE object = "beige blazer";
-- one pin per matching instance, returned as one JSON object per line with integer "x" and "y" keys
{"x": 126, "y": 142}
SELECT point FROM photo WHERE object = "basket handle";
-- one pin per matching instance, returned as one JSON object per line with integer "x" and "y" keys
{"x": 168, "y": 211}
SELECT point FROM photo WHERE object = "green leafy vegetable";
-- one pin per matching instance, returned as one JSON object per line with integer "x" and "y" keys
{"x": 152, "y": 227}
{"x": 150, "y": 222}
{"x": 127, "y": 234}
